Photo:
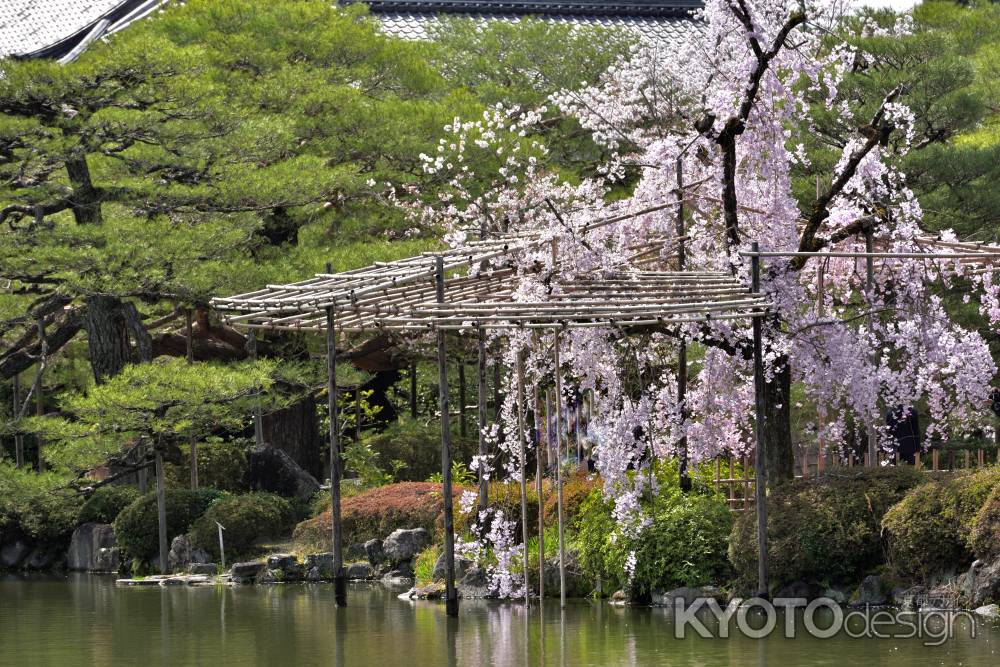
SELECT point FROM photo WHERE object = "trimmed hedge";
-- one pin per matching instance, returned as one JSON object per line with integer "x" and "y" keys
{"x": 377, "y": 512}
{"x": 684, "y": 544}
{"x": 247, "y": 519}
{"x": 929, "y": 531}
{"x": 137, "y": 527}
{"x": 823, "y": 530}
{"x": 106, "y": 503}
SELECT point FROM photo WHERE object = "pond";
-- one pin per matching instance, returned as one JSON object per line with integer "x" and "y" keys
{"x": 87, "y": 620}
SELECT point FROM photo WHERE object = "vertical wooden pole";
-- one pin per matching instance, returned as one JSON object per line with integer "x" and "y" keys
{"x": 339, "y": 582}
{"x": 142, "y": 474}
{"x": 539, "y": 474}
{"x": 18, "y": 438}
{"x": 161, "y": 510}
{"x": 451, "y": 595}
{"x": 413, "y": 390}
{"x": 870, "y": 286}
{"x": 357, "y": 412}
{"x": 481, "y": 400}
{"x": 523, "y": 452}
{"x": 559, "y": 481}
{"x": 192, "y": 442}
{"x": 258, "y": 421}
{"x": 462, "y": 431}
{"x": 763, "y": 586}
{"x": 682, "y": 371}
{"x": 40, "y": 392}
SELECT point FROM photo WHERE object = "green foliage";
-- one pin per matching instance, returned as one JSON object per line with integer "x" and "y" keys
{"x": 39, "y": 506}
{"x": 985, "y": 536}
{"x": 417, "y": 445}
{"x": 106, "y": 503}
{"x": 247, "y": 519}
{"x": 167, "y": 400}
{"x": 929, "y": 531}
{"x": 362, "y": 460}
{"x": 137, "y": 527}
{"x": 684, "y": 544}
{"x": 222, "y": 465}
{"x": 825, "y": 530}
{"x": 423, "y": 565}
{"x": 460, "y": 475}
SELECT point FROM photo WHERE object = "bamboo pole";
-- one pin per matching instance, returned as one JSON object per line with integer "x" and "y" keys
{"x": 539, "y": 474}
{"x": 357, "y": 412}
{"x": 18, "y": 438}
{"x": 413, "y": 390}
{"x": 521, "y": 437}
{"x": 451, "y": 595}
{"x": 682, "y": 376}
{"x": 161, "y": 511}
{"x": 258, "y": 418}
{"x": 192, "y": 441}
{"x": 462, "y": 431}
{"x": 481, "y": 404}
{"x": 339, "y": 582}
{"x": 559, "y": 480}
{"x": 760, "y": 471}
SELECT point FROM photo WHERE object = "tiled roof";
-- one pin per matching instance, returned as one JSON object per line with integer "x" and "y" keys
{"x": 665, "y": 31}
{"x": 54, "y": 28}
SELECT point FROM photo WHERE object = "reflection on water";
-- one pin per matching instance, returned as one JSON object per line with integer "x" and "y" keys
{"x": 86, "y": 620}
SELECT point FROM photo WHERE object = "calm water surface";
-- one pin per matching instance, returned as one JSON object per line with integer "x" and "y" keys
{"x": 86, "y": 620}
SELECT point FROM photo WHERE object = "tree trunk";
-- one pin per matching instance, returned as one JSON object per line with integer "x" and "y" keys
{"x": 778, "y": 424}
{"x": 85, "y": 200}
{"x": 111, "y": 324}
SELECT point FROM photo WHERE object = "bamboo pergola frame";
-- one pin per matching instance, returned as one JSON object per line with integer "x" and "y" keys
{"x": 474, "y": 288}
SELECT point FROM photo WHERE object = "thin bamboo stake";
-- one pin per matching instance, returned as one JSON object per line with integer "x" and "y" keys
{"x": 451, "y": 595}
{"x": 760, "y": 469}
{"x": 539, "y": 474}
{"x": 192, "y": 441}
{"x": 340, "y": 583}
{"x": 161, "y": 511}
{"x": 461, "y": 399}
{"x": 481, "y": 400}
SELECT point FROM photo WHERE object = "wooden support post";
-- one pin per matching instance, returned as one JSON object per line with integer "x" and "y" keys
{"x": 161, "y": 510}
{"x": 559, "y": 481}
{"x": 357, "y": 412}
{"x": 682, "y": 375}
{"x": 40, "y": 392}
{"x": 339, "y": 581}
{"x": 760, "y": 471}
{"x": 870, "y": 287}
{"x": 539, "y": 474}
{"x": 258, "y": 421}
{"x": 451, "y": 595}
{"x": 18, "y": 438}
{"x": 413, "y": 390}
{"x": 192, "y": 441}
{"x": 462, "y": 399}
{"x": 523, "y": 455}
{"x": 481, "y": 401}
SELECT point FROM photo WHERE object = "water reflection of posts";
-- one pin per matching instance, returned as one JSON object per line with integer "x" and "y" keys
{"x": 222, "y": 546}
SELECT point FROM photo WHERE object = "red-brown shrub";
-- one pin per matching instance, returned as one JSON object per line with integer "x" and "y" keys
{"x": 377, "y": 512}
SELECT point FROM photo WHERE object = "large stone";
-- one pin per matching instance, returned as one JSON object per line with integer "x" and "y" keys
{"x": 578, "y": 585}
{"x": 475, "y": 584}
{"x": 909, "y": 599}
{"x": 374, "y": 552}
{"x": 688, "y": 594}
{"x": 273, "y": 470}
{"x": 182, "y": 553}
{"x": 989, "y": 611}
{"x": 246, "y": 573}
{"x": 871, "y": 592}
{"x": 405, "y": 543}
{"x": 359, "y": 570}
{"x": 203, "y": 568}
{"x": 355, "y": 552}
{"x": 798, "y": 589}
{"x": 322, "y": 563}
{"x": 12, "y": 554}
{"x": 462, "y": 565}
{"x": 284, "y": 567}
{"x": 982, "y": 584}
{"x": 39, "y": 559}
{"x": 86, "y": 545}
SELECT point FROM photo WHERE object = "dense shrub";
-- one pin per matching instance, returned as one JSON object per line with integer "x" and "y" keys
{"x": 377, "y": 512}
{"x": 684, "y": 544}
{"x": 823, "y": 530}
{"x": 576, "y": 489}
{"x": 106, "y": 503}
{"x": 505, "y": 496}
{"x": 222, "y": 465}
{"x": 137, "y": 527}
{"x": 417, "y": 446}
{"x": 247, "y": 519}
{"x": 985, "y": 536}
{"x": 929, "y": 531}
{"x": 37, "y": 506}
